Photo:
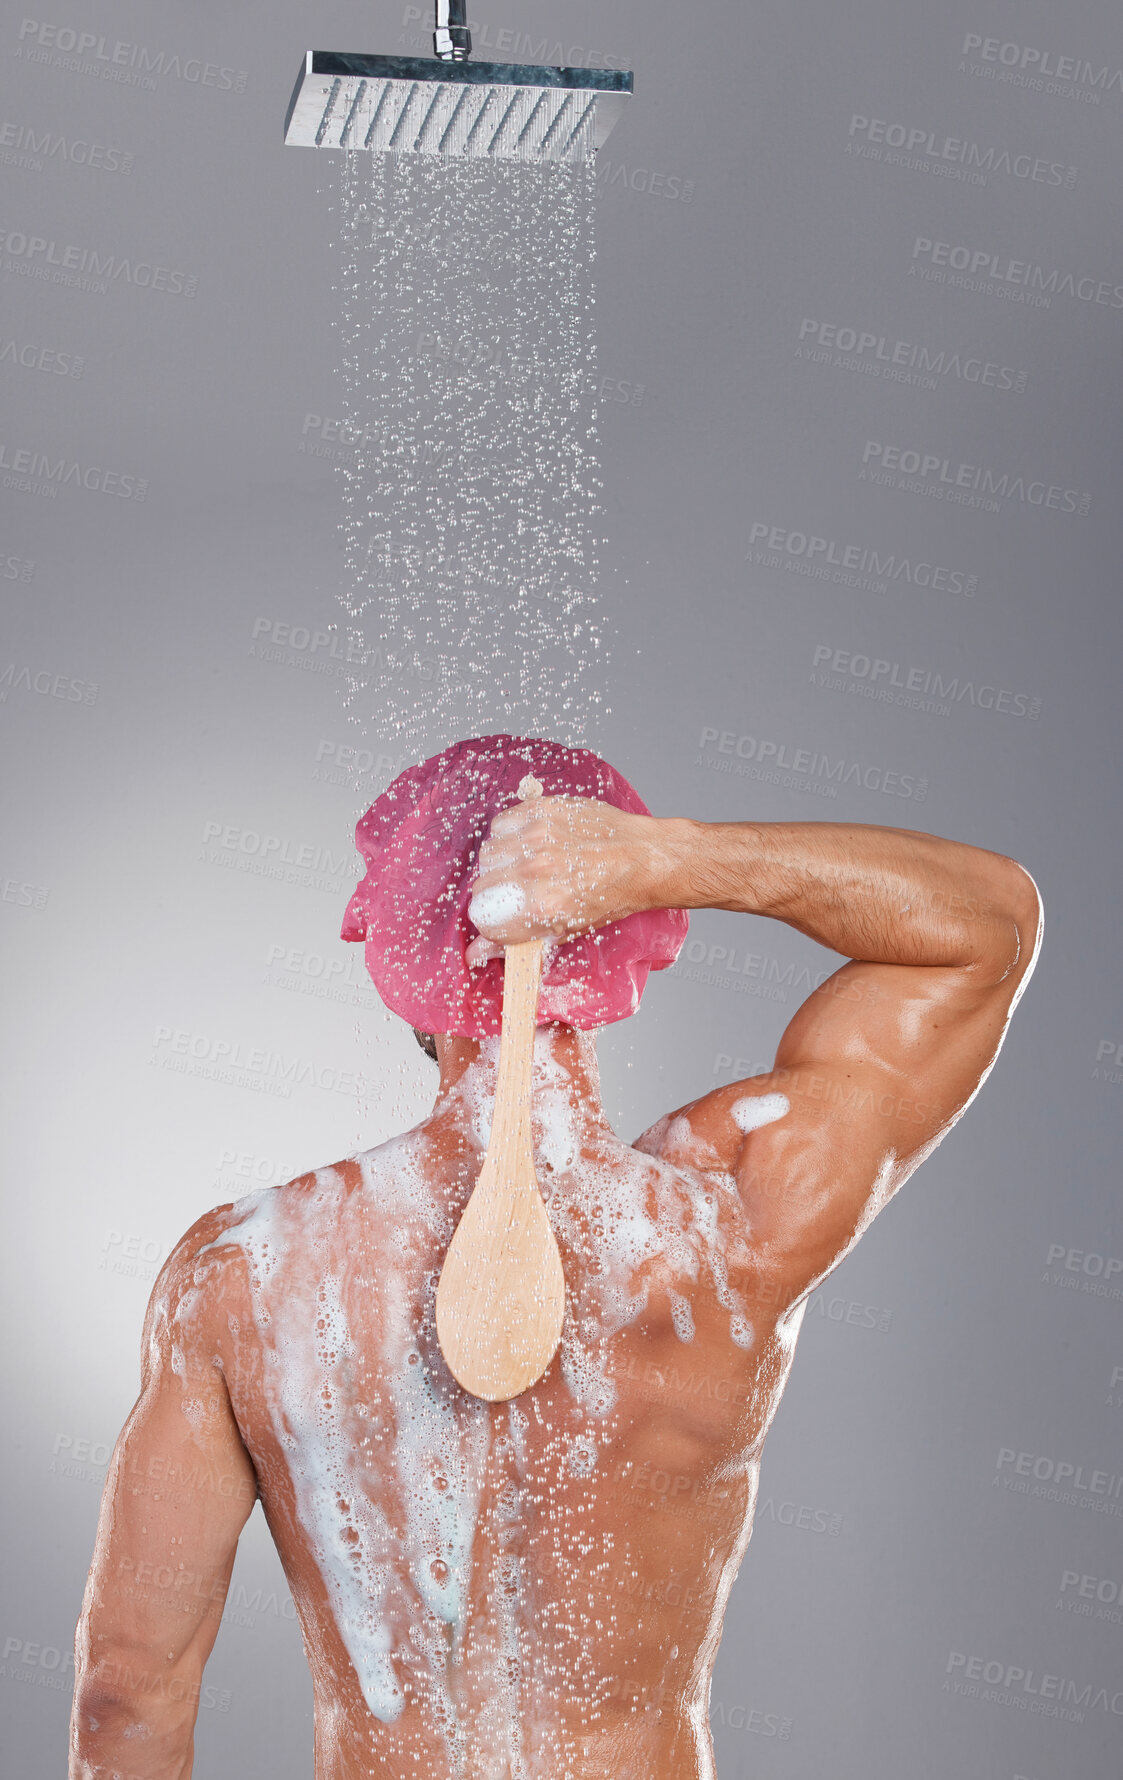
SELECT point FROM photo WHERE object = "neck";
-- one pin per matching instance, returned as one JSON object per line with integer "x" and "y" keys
{"x": 562, "y": 1055}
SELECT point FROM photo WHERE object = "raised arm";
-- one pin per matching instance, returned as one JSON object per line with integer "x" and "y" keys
{"x": 179, "y": 1490}
{"x": 879, "y": 1062}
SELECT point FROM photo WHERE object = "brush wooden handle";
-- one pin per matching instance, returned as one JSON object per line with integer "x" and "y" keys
{"x": 501, "y": 1296}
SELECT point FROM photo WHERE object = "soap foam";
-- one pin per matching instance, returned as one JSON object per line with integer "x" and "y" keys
{"x": 496, "y": 904}
{"x": 759, "y": 1109}
{"x": 389, "y": 1459}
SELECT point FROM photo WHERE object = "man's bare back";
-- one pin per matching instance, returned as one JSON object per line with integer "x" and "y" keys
{"x": 531, "y": 1590}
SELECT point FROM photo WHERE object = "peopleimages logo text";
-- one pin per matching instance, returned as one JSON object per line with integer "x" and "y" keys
{"x": 955, "y": 150}
{"x": 805, "y": 764}
{"x": 976, "y": 478}
{"x": 857, "y": 559}
{"x": 881, "y": 673}
{"x": 987, "y": 266}
{"x": 39, "y": 467}
{"x": 253, "y": 843}
{"x": 1066, "y": 1475}
{"x": 23, "y": 141}
{"x": 34, "y": 254}
{"x": 1026, "y": 1684}
{"x": 119, "y": 60}
{"x": 898, "y": 358}
{"x": 225, "y": 1059}
{"x": 1028, "y": 60}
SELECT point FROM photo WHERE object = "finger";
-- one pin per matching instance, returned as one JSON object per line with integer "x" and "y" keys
{"x": 531, "y": 810}
{"x": 494, "y": 856}
{"x": 481, "y": 951}
{"x": 509, "y": 822}
{"x": 491, "y": 880}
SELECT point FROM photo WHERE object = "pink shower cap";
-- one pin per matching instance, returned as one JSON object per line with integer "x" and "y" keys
{"x": 421, "y": 840}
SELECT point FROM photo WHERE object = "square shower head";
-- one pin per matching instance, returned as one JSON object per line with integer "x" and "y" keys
{"x": 464, "y": 110}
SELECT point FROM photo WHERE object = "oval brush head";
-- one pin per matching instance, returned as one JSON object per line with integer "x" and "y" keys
{"x": 501, "y": 1296}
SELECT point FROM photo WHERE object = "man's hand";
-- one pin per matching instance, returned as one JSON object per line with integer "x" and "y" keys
{"x": 563, "y": 865}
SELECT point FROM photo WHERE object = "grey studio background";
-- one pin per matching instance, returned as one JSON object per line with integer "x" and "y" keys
{"x": 822, "y": 332}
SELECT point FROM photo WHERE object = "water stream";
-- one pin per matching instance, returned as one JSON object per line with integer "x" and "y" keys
{"x": 471, "y": 490}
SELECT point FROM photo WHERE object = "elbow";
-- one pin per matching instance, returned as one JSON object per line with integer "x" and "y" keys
{"x": 1015, "y": 924}
{"x": 101, "y": 1715}
{"x": 106, "y": 1723}
{"x": 1027, "y": 913}
{"x": 101, "y": 1722}
{"x": 96, "y": 1714}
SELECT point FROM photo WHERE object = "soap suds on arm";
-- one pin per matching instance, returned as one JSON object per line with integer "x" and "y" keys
{"x": 759, "y": 1109}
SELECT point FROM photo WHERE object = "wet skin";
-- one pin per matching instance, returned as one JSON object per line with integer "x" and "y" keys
{"x": 533, "y": 1589}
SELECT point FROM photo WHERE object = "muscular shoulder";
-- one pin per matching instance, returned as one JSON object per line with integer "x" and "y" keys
{"x": 205, "y": 1270}
{"x": 184, "y": 1299}
{"x": 709, "y": 1133}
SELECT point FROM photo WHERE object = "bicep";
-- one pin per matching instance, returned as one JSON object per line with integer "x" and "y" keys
{"x": 179, "y": 1490}
{"x": 877, "y": 1065}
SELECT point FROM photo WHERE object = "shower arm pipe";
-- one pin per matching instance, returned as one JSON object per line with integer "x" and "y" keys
{"x": 452, "y": 40}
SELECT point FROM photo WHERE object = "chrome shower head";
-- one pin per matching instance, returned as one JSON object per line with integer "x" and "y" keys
{"x": 452, "y": 106}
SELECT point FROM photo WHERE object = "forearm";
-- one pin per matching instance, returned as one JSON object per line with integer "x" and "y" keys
{"x": 884, "y": 895}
